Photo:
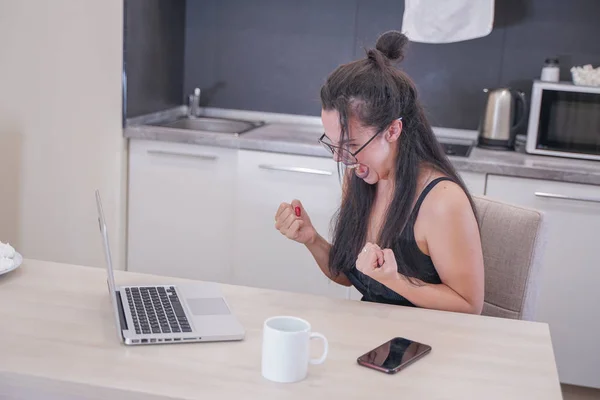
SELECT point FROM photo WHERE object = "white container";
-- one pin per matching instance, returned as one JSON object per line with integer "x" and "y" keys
{"x": 550, "y": 71}
{"x": 586, "y": 75}
{"x": 286, "y": 350}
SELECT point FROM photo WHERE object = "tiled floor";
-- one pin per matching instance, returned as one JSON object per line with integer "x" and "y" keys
{"x": 580, "y": 393}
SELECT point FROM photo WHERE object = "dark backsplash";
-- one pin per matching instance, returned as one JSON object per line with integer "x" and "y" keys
{"x": 154, "y": 34}
{"x": 273, "y": 55}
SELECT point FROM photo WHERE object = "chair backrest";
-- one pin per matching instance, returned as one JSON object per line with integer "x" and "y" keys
{"x": 513, "y": 240}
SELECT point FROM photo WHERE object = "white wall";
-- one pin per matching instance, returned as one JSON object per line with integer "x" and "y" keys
{"x": 60, "y": 128}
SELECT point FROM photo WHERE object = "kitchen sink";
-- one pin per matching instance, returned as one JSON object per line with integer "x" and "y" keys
{"x": 206, "y": 124}
{"x": 457, "y": 149}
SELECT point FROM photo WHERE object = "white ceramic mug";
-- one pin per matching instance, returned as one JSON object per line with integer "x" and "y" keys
{"x": 286, "y": 349}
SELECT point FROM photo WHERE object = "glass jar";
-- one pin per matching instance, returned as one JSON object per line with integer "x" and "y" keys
{"x": 551, "y": 70}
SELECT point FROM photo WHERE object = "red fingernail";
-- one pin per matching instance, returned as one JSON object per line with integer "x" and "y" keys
{"x": 297, "y": 210}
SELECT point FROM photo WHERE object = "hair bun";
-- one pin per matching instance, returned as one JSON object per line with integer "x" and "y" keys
{"x": 392, "y": 44}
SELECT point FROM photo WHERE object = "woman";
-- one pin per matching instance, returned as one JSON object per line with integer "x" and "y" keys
{"x": 406, "y": 232}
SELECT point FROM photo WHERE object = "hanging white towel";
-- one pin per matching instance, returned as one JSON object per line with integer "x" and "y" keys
{"x": 447, "y": 21}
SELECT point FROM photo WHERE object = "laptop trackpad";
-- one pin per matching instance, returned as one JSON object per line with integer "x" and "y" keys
{"x": 202, "y": 306}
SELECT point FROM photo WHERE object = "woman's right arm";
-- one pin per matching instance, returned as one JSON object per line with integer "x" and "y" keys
{"x": 319, "y": 248}
{"x": 294, "y": 223}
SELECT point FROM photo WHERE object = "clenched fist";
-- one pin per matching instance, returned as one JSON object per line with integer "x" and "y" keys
{"x": 377, "y": 263}
{"x": 293, "y": 222}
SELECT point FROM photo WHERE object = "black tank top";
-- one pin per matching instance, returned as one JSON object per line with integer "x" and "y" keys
{"x": 407, "y": 252}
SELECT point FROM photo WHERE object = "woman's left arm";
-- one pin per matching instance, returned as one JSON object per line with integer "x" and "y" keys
{"x": 454, "y": 245}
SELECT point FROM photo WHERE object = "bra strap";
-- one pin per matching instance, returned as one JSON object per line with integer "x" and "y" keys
{"x": 426, "y": 191}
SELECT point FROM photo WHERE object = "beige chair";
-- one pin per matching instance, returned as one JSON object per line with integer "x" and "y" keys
{"x": 513, "y": 241}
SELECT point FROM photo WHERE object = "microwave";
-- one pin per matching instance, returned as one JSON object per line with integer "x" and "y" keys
{"x": 564, "y": 120}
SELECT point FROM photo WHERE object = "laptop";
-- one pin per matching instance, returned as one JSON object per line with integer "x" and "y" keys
{"x": 176, "y": 313}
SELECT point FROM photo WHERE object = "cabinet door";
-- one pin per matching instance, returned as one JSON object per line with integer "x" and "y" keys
{"x": 475, "y": 182}
{"x": 353, "y": 294}
{"x": 569, "y": 297}
{"x": 264, "y": 257}
{"x": 181, "y": 210}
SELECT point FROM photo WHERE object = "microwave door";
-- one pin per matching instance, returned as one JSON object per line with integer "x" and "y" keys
{"x": 568, "y": 124}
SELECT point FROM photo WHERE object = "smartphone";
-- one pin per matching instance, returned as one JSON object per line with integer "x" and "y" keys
{"x": 394, "y": 355}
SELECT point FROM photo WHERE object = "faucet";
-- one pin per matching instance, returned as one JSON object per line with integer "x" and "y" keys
{"x": 194, "y": 103}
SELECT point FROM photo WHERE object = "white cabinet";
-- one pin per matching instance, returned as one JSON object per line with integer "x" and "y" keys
{"x": 353, "y": 294}
{"x": 264, "y": 257}
{"x": 181, "y": 210}
{"x": 475, "y": 182}
{"x": 207, "y": 213}
{"x": 569, "y": 299}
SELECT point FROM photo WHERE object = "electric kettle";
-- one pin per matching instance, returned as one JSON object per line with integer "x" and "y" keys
{"x": 504, "y": 116}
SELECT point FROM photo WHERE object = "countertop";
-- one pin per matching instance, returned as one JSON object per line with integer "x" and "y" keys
{"x": 59, "y": 341}
{"x": 298, "y": 135}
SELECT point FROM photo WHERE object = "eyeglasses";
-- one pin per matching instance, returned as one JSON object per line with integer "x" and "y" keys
{"x": 344, "y": 155}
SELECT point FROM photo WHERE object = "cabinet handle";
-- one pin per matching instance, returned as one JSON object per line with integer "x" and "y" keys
{"x": 566, "y": 197}
{"x": 296, "y": 169}
{"x": 207, "y": 157}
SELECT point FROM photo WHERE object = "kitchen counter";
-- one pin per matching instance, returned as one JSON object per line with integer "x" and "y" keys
{"x": 59, "y": 341}
{"x": 298, "y": 135}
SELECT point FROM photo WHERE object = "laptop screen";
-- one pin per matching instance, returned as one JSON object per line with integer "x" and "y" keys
{"x": 109, "y": 268}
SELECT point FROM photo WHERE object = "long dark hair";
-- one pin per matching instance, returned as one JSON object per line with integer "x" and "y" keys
{"x": 375, "y": 92}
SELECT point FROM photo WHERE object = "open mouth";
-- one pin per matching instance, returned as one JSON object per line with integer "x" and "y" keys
{"x": 362, "y": 171}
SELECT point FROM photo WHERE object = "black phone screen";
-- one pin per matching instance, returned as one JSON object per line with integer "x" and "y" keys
{"x": 393, "y": 355}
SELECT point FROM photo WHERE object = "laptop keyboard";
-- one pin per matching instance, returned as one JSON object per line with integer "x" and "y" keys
{"x": 156, "y": 310}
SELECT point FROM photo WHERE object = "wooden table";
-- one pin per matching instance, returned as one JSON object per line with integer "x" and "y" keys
{"x": 57, "y": 337}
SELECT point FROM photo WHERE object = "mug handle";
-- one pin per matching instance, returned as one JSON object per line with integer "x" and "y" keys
{"x": 320, "y": 360}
